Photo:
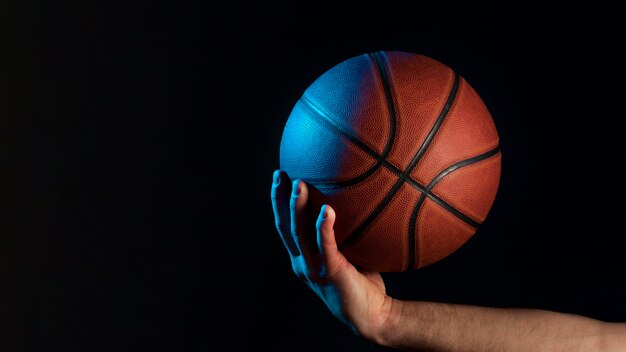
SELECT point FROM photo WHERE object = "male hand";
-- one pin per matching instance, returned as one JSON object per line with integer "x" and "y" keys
{"x": 357, "y": 298}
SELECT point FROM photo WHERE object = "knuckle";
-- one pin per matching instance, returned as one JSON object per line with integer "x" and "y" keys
{"x": 300, "y": 270}
{"x": 297, "y": 269}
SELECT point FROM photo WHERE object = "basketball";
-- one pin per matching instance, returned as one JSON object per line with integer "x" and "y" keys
{"x": 403, "y": 149}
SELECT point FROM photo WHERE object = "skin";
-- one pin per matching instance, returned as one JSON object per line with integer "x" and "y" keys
{"x": 359, "y": 300}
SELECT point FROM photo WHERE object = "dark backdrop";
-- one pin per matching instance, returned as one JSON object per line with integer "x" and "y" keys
{"x": 137, "y": 143}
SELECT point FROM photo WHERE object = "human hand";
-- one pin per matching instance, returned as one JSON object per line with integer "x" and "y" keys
{"x": 357, "y": 298}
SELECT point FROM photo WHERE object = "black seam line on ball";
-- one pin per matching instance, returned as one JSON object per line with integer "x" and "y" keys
{"x": 334, "y": 126}
{"x": 346, "y": 134}
{"x": 431, "y": 185}
{"x": 379, "y": 66}
{"x": 338, "y": 129}
{"x": 356, "y": 234}
{"x": 433, "y": 131}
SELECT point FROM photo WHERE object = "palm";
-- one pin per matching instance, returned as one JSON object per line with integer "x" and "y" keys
{"x": 357, "y": 298}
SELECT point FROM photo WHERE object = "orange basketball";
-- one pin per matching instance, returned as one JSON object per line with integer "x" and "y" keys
{"x": 403, "y": 149}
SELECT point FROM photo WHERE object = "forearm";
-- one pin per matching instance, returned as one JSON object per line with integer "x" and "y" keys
{"x": 425, "y": 326}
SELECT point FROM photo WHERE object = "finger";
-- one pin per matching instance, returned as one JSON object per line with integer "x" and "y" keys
{"x": 326, "y": 242}
{"x": 281, "y": 190}
{"x": 301, "y": 227}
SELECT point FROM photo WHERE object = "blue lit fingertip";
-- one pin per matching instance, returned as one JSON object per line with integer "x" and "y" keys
{"x": 276, "y": 177}
{"x": 324, "y": 212}
{"x": 295, "y": 188}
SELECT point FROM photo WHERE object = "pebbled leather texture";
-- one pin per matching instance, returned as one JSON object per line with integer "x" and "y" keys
{"x": 467, "y": 131}
{"x": 421, "y": 86}
{"x": 342, "y": 138}
{"x": 313, "y": 152}
{"x": 440, "y": 234}
{"x": 351, "y": 94}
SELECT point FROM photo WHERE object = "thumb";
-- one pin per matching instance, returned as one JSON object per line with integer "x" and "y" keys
{"x": 333, "y": 259}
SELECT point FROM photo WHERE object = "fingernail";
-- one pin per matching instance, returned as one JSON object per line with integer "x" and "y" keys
{"x": 276, "y": 177}
{"x": 324, "y": 211}
{"x": 296, "y": 189}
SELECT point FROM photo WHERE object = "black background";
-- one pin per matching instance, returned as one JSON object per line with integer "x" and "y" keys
{"x": 137, "y": 143}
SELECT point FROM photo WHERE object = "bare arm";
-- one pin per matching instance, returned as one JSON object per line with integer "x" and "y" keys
{"x": 359, "y": 298}
{"x": 426, "y": 326}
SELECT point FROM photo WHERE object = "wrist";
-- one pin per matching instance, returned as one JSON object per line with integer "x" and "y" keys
{"x": 388, "y": 328}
